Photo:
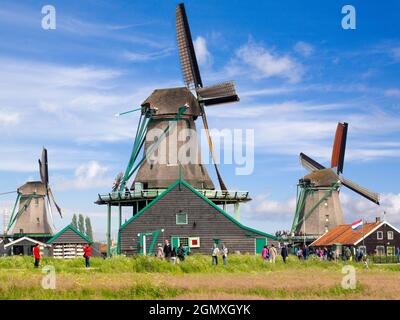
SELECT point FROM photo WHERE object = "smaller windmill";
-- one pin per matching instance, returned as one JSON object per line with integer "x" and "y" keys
{"x": 318, "y": 206}
{"x": 33, "y": 202}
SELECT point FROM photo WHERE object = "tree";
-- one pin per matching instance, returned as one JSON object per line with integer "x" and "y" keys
{"x": 74, "y": 222}
{"x": 81, "y": 224}
{"x": 89, "y": 231}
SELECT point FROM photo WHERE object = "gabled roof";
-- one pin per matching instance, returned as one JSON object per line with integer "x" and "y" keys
{"x": 178, "y": 182}
{"x": 345, "y": 235}
{"x": 70, "y": 227}
{"x": 22, "y": 239}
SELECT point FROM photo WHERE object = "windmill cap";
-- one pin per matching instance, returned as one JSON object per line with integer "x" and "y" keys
{"x": 169, "y": 101}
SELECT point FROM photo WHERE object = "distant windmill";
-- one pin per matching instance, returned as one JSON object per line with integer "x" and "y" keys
{"x": 180, "y": 106}
{"x": 33, "y": 197}
{"x": 318, "y": 207}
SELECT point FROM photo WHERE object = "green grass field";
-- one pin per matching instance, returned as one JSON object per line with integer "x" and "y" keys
{"x": 245, "y": 277}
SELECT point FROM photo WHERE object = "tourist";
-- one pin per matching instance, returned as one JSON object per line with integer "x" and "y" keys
{"x": 214, "y": 254}
{"x": 36, "y": 255}
{"x": 181, "y": 252}
{"x": 398, "y": 254}
{"x": 305, "y": 252}
{"x": 325, "y": 254}
{"x": 87, "y": 249}
{"x": 264, "y": 253}
{"x": 284, "y": 253}
{"x": 347, "y": 253}
{"x": 173, "y": 256}
{"x": 167, "y": 250}
{"x": 224, "y": 252}
{"x": 300, "y": 254}
{"x": 160, "y": 251}
{"x": 272, "y": 254}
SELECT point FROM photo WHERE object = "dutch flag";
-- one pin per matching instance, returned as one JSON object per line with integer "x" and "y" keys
{"x": 357, "y": 224}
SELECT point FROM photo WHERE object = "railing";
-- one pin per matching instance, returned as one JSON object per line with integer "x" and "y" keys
{"x": 153, "y": 193}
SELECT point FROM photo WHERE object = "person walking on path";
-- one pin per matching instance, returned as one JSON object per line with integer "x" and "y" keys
{"x": 87, "y": 249}
{"x": 167, "y": 250}
{"x": 272, "y": 253}
{"x": 284, "y": 253}
{"x": 224, "y": 252}
{"x": 36, "y": 255}
{"x": 214, "y": 254}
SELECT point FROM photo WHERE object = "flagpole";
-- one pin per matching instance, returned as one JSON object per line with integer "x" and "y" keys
{"x": 363, "y": 234}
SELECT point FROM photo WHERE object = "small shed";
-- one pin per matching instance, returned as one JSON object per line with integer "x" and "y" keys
{"x": 23, "y": 246}
{"x": 68, "y": 243}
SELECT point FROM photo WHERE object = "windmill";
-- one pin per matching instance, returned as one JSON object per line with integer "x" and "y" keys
{"x": 318, "y": 207}
{"x": 170, "y": 111}
{"x": 29, "y": 215}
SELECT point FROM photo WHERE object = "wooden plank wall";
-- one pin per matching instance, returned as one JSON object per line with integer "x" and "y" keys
{"x": 204, "y": 221}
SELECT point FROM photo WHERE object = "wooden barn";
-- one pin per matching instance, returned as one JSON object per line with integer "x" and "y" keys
{"x": 184, "y": 216}
{"x": 377, "y": 238}
{"x": 68, "y": 243}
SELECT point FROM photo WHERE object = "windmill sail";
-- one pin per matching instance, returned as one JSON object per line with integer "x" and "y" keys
{"x": 220, "y": 93}
{"x": 43, "y": 167}
{"x": 309, "y": 163}
{"x": 339, "y": 147}
{"x": 190, "y": 68}
{"x": 372, "y": 196}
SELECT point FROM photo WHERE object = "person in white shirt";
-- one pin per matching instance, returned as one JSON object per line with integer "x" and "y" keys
{"x": 214, "y": 254}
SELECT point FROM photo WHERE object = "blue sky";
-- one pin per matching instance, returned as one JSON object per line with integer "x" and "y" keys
{"x": 297, "y": 71}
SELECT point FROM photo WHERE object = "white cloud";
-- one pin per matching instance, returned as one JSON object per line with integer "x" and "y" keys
{"x": 89, "y": 175}
{"x": 265, "y": 63}
{"x": 8, "y": 118}
{"x": 203, "y": 56}
{"x": 304, "y": 48}
{"x": 356, "y": 207}
{"x": 392, "y": 92}
{"x": 261, "y": 208}
{"x": 134, "y": 56}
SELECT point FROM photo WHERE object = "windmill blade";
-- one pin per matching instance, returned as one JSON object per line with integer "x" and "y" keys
{"x": 205, "y": 124}
{"x": 309, "y": 163}
{"x": 187, "y": 55}
{"x": 50, "y": 211}
{"x": 220, "y": 93}
{"x": 54, "y": 201}
{"x": 339, "y": 147}
{"x": 43, "y": 168}
{"x": 372, "y": 196}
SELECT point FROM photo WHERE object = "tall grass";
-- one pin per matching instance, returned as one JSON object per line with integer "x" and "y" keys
{"x": 192, "y": 264}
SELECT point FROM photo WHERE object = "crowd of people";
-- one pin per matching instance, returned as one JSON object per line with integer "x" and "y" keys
{"x": 174, "y": 255}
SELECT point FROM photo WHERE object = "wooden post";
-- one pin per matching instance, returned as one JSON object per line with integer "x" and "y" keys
{"x": 120, "y": 214}
{"x": 108, "y": 230}
{"x": 237, "y": 211}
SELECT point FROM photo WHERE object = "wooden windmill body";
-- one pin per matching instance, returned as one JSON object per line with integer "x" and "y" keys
{"x": 33, "y": 206}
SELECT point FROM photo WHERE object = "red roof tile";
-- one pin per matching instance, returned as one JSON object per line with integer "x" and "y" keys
{"x": 343, "y": 234}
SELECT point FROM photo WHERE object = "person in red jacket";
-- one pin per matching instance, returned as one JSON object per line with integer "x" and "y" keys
{"x": 36, "y": 255}
{"x": 87, "y": 249}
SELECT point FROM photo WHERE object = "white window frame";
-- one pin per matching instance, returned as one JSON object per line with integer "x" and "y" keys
{"x": 382, "y": 251}
{"x": 390, "y": 235}
{"x": 379, "y": 233}
{"x": 181, "y": 213}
